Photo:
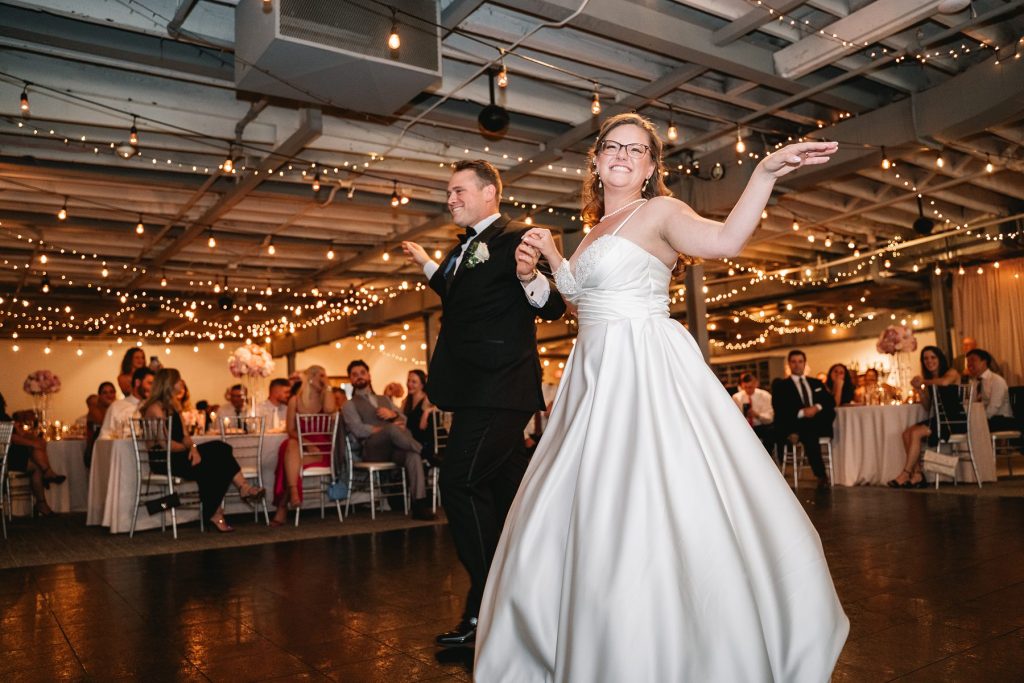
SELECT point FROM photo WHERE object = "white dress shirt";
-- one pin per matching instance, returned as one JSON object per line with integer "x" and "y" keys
{"x": 801, "y": 381}
{"x": 274, "y": 415}
{"x": 994, "y": 394}
{"x": 760, "y": 402}
{"x": 537, "y": 292}
{"x": 115, "y": 423}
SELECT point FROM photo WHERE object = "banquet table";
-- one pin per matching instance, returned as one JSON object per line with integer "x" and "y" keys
{"x": 111, "y": 498}
{"x": 72, "y": 496}
{"x": 867, "y": 448}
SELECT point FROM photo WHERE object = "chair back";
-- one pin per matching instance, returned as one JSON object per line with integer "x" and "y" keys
{"x": 245, "y": 434}
{"x": 6, "y": 432}
{"x": 151, "y": 441}
{"x": 1017, "y": 405}
{"x": 318, "y": 432}
{"x": 952, "y": 409}
{"x": 440, "y": 423}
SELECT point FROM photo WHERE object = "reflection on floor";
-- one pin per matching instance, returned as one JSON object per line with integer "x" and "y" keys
{"x": 933, "y": 585}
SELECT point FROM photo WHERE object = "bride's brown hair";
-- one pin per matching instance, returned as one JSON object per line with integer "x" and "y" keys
{"x": 593, "y": 196}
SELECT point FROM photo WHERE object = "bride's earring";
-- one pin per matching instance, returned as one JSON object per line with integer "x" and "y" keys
{"x": 598, "y": 176}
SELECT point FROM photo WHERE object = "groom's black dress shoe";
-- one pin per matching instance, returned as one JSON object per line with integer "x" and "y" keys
{"x": 463, "y": 634}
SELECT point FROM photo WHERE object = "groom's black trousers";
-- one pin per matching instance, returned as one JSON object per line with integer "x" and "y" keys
{"x": 483, "y": 464}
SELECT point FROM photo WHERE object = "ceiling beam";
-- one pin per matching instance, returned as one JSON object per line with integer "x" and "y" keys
{"x": 752, "y": 20}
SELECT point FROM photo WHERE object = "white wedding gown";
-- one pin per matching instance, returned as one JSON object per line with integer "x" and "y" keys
{"x": 652, "y": 540}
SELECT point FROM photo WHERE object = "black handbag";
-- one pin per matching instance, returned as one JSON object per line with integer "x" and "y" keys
{"x": 163, "y": 504}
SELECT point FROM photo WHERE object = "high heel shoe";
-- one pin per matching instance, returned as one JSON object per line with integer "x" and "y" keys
{"x": 221, "y": 525}
{"x": 54, "y": 478}
{"x": 894, "y": 484}
{"x": 253, "y": 496}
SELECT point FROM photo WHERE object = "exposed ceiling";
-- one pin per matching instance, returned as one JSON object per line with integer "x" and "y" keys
{"x": 870, "y": 73}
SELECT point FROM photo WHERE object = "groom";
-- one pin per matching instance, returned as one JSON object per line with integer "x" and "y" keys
{"x": 485, "y": 369}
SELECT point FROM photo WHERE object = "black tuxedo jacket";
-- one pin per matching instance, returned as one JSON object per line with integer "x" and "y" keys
{"x": 787, "y": 403}
{"x": 486, "y": 352}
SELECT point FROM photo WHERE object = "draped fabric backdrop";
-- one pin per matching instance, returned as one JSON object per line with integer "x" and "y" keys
{"x": 990, "y": 308}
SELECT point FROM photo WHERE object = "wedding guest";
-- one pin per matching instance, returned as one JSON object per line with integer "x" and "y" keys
{"x": 841, "y": 384}
{"x": 134, "y": 358}
{"x": 756, "y": 406}
{"x": 418, "y": 409}
{"x": 873, "y": 392}
{"x": 394, "y": 391}
{"x": 275, "y": 409}
{"x": 210, "y": 464}
{"x": 991, "y": 389}
{"x": 115, "y": 422}
{"x": 935, "y": 370}
{"x": 237, "y": 398}
{"x": 340, "y": 397}
{"x": 804, "y": 412}
{"x": 105, "y": 395}
{"x": 382, "y": 433}
{"x": 312, "y": 396}
{"x": 191, "y": 417}
{"x": 27, "y": 453}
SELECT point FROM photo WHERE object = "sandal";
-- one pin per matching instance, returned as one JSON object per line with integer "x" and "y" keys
{"x": 54, "y": 478}
{"x": 253, "y": 495}
{"x": 294, "y": 502}
{"x": 221, "y": 525}
{"x": 896, "y": 484}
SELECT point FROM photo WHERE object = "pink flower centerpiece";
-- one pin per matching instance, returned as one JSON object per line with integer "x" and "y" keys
{"x": 253, "y": 364}
{"x": 899, "y": 342}
{"x": 40, "y": 385}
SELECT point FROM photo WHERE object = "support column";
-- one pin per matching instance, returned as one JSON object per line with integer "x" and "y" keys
{"x": 940, "y": 314}
{"x": 697, "y": 309}
{"x": 290, "y": 357}
{"x": 431, "y": 327}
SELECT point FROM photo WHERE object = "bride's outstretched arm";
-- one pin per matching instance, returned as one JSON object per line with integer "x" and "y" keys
{"x": 691, "y": 234}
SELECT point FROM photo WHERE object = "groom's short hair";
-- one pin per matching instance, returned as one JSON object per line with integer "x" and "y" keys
{"x": 485, "y": 171}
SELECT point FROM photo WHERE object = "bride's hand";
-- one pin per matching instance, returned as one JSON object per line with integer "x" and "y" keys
{"x": 791, "y": 157}
{"x": 541, "y": 239}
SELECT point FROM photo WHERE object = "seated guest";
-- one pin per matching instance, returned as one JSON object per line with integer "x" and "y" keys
{"x": 873, "y": 392}
{"x": 804, "y": 412}
{"x": 312, "y": 396}
{"x": 190, "y": 416}
{"x": 27, "y": 453}
{"x": 381, "y": 430}
{"x": 134, "y": 358}
{"x": 275, "y": 409}
{"x": 841, "y": 384}
{"x": 394, "y": 391}
{"x": 237, "y": 398}
{"x": 115, "y": 422}
{"x": 210, "y": 464}
{"x": 417, "y": 410}
{"x": 990, "y": 389}
{"x": 105, "y": 397}
{"x": 756, "y": 405}
{"x": 935, "y": 370}
{"x": 340, "y": 397}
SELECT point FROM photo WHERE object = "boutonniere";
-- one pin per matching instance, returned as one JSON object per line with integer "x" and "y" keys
{"x": 478, "y": 254}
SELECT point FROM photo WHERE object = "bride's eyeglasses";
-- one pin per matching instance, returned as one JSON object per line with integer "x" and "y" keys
{"x": 611, "y": 148}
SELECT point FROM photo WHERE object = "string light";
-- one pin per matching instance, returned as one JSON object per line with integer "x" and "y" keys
{"x": 271, "y": 249}
{"x": 63, "y": 213}
{"x": 796, "y": 225}
{"x": 394, "y": 41}
{"x": 673, "y": 132}
{"x": 211, "y": 242}
{"x": 395, "y": 199}
{"x": 45, "y": 284}
{"x": 140, "y": 227}
{"x": 330, "y": 254}
{"x": 988, "y": 164}
{"x": 24, "y": 101}
{"x": 595, "y": 105}
{"x": 229, "y": 163}
{"x": 502, "y": 80}
{"x": 316, "y": 182}
{"x": 940, "y": 161}
{"x": 886, "y": 164}
{"x": 741, "y": 146}
{"x": 163, "y": 281}
{"x": 133, "y": 135}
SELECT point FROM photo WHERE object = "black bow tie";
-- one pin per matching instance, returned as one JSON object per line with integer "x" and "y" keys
{"x": 466, "y": 235}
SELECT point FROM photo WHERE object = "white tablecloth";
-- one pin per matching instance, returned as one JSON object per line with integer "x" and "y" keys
{"x": 71, "y": 496}
{"x": 111, "y": 500}
{"x": 867, "y": 447}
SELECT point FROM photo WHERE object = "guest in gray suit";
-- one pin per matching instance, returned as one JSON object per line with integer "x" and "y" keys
{"x": 380, "y": 428}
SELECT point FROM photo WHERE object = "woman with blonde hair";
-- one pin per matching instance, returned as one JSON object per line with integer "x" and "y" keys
{"x": 638, "y": 547}
{"x": 210, "y": 464}
{"x": 314, "y": 395}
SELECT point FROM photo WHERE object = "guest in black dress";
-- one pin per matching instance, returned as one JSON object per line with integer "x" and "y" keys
{"x": 418, "y": 409}
{"x": 27, "y": 453}
{"x": 841, "y": 384}
{"x": 210, "y": 464}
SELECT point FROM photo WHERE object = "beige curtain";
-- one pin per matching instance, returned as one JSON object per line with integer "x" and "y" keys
{"x": 990, "y": 308}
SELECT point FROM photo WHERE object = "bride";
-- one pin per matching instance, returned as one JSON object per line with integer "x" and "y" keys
{"x": 653, "y": 540}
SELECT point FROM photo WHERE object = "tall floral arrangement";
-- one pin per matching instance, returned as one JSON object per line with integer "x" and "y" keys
{"x": 40, "y": 385}
{"x": 253, "y": 364}
{"x": 899, "y": 342}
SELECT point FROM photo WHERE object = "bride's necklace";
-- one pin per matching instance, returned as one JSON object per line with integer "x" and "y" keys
{"x": 622, "y": 208}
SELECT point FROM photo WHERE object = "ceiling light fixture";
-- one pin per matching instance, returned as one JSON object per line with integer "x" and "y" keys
{"x": 316, "y": 182}
{"x": 741, "y": 146}
{"x": 63, "y": 213}
{"x": 24, "y": 101}
{"x": 133, "y": 134}
{"x": 211, "y": 242}
{"x": 394, "y": 41}
{"x": 886, "y": 164}
{"x": 140, "y": 227}
{"x": 673, "y": 132}
{"x": 595, "y": 105}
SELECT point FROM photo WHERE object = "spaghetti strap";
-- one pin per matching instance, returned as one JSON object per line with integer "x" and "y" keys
{"x": 631, "y": 214}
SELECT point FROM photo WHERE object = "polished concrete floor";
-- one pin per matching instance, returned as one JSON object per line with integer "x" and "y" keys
{"x": 933, "y": 585}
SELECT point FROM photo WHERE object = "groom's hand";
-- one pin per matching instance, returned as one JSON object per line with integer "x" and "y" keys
{"x": 416, "y": 253}
{"x": 526, "y": 260}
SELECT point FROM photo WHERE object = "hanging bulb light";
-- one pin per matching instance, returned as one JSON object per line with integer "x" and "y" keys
{"x": 741, "y": 146}
{"x": 796, "y": 225}
{"x": 271, "y": 249}
{"x": 394, "y": 41}
{"x": 673, "y": 132}
{"x": 229, "y": 163}
{"x": 133, "y": 135}
{"x": 330, "y": 254}
{"x": 886, "y": 164}
{"x": 211, "y": 242}
{"x": 988, "y": 164}
{"x": 403, "y": 199}
{"x": 316, "y": 182}
{"x": 45, "y": 284}
{"x": 595, "y": 106}
{"x": 24, "y": 100}
{"x": 395, "y": 199}
{"x": 163, "y": 281}
{"x": 528, "y": 220}
{"x": 140, "y": 227}
{"x": 63, "y": 213}
{"x": 828, "y": 241}
{"x": 386, "y": 257}
{"x": 502, "y": 80}
{"x": 940, "y": 161}
{"x": 764, "y": 214}
{"x": 938, "y": 270}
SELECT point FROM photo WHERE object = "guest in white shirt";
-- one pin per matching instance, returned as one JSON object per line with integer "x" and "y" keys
{"x": 275, "y": 409}
{"x": 990, "y": 389}
{"x": 237, "y": 399}
{"x": 115, "y": 422}
{"x": 756, "y": 405}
